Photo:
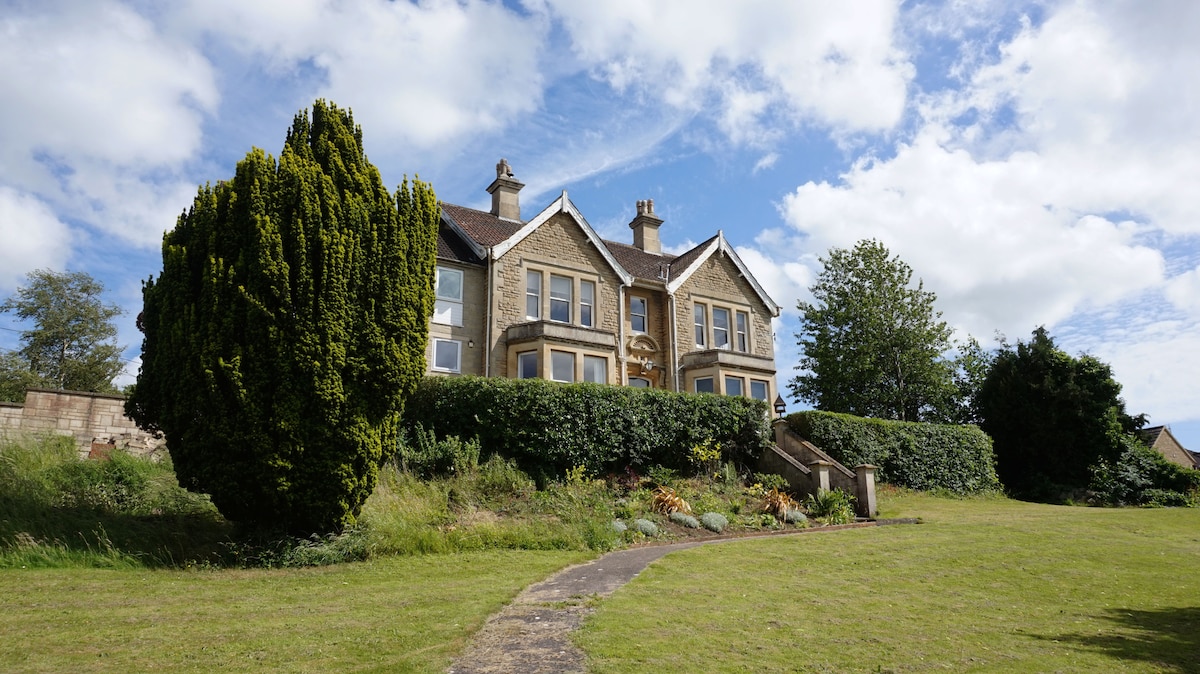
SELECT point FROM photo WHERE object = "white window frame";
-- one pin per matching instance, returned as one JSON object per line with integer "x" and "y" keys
{"x": 448, "y": 308}
{"x": 696, "y": 385}
{"x": 558, "y": 301}
{"x": 557, "y": 360}
{"x": 533, "y": 294}
{"x": 700, "y": 320}
{"x": 634, "y": 315}
{"x": 526, "y": 357}
{"x": 743, "y": 331}
{"x": 437, "y": 346}
{"x": 720, "y": 334}
{"x": 587, "y": 304}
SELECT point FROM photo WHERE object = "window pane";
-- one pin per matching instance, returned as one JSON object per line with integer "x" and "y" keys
{"x": 758, "y": 389}
{"x": 743, "y": 321}
{"x": 562, "y": 366}
{"x": 533, "y": 294}
{"x": 560, "y": 299}
{"x": 720, "y": 328}
{"x": 587, "y": 300}
{"x": 701, "y": 318}
{"x": 527, "y": 365}
{"x": 704, "y": 385}
{"x": 639, "y": 382}
{"x": 595, "y": 369}
{"x": 734, "y": 386}
{"x": 445, "y": 355}
{"x": 447, "y": 312}
{"x": 637, "y": 314}
{"x": 449, "y": 284}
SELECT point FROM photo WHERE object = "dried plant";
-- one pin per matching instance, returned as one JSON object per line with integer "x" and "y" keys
{"x": 666, "y": 501}
{"x": 778, "y": 503}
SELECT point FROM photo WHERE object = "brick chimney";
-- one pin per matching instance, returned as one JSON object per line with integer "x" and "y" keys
{"x": 504, "y": 189}
{"x": 645, "y": 227}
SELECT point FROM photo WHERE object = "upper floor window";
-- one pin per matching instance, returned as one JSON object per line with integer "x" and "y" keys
{"x": 587, "y": 303}
{"x": 560, "y": 298}
{"x": 533, "y": 294}
{"x": 720, "y": 328}
{"x": 700, "y": 317}
{"x": 743, "y": 331}
{"x": 448, "y": 286}
{"x": 637, "y": 314}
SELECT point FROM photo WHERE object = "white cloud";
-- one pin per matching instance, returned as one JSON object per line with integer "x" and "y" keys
{"x": 832, "y": 64}
{"x": 421, "y": 74}
{"x": 1184, "y": 292}
{"x": 95, "y": 97}
{"x": 34, "y": 238}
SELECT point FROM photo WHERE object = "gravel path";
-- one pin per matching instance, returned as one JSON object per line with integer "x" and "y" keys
{"x": 532, "y": 634}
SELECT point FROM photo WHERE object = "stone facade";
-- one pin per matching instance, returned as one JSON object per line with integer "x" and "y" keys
{"x": 547, "y": 297}
{"x": 94, "y": 420}
{"x": 1160, "y": 439}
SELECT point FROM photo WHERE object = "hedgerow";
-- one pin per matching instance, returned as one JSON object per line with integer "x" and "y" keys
{"x": 549, "y": 427}
{"x": 914, "y": 455}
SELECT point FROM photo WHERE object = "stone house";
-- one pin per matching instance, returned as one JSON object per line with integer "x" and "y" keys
{"x": 547, "y": 297}
{"x": 1159, "y": 439}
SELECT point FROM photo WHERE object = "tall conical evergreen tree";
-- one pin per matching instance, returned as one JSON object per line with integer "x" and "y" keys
{"x": 287, "y": 328}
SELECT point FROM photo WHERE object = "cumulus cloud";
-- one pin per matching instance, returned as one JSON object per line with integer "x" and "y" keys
{"x": 833, "y": 64}
{"x": 421, "y": 74}
{"x": 94, "y": 94}
{"x": 34, "y": 238}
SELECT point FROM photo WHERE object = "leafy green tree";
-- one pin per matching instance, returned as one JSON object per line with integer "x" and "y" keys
{"x": 871, "y": 345}
{"x": 287, "y": 328}
{"x": 1052, "y": 416}
{"x": 72, "y": 343}
{"x": 970, "y": 366}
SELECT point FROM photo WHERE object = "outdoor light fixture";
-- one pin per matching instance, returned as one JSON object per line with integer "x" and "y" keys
{"x": 780, "y": 406}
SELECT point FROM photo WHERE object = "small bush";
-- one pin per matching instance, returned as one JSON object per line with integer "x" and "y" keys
{"x": 832, "y": 506}
{"x": 714, "y": 522}
{"x": 795, "y": 517}
{"x": 666, "y": 501}
{"x": 663, "y": 477}
{"x": 685, "y": 520}
{"x": 778, "y": 503}
{"x": 1142, "y": 476}
{"x": 619, "y": 526}
{"x": 769, "y": 481}
{"x": 645, "y": 527}
{"x": 421, "y": 453}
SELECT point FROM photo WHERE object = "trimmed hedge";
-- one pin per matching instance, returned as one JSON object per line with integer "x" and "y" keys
{"x": 549, "y": 427}
{"x": 914, "y": 455}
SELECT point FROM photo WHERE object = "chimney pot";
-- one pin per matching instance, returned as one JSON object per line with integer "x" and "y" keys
{"x": 504, "y": 189}
{"x": 645, "y": 227}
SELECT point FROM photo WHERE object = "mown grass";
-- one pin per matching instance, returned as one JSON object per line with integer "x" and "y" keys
{"x": 983, "y": 585}
{"x": 398, "y": 614}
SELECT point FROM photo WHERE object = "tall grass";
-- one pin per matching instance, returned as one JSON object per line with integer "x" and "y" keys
{"x": 56, "y": 510}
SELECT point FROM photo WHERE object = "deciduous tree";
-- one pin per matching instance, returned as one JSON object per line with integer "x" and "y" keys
{"x": 287, "y": 328}
{"x": 72, "y": 341}
{"x": 871, "y": 345}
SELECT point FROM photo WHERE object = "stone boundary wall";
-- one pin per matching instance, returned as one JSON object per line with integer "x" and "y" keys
{"x": 96, "y": 421}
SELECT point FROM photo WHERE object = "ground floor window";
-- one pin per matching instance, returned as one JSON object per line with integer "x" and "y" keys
{"x": 704, "y": 385}
{"x": 734, "y": 386}
{"x": 758, "y": 389}
{"x": 527, "y": 365}
{"x": 447, "y": 355}
{"x": 562, "y": 366}
{"x": 639, "y": 382}
{"x": 595, "y": 369}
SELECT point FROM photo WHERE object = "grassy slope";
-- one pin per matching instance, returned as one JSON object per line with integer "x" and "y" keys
{"x": 986, "y": 585}
{"x": 396, "y": 614}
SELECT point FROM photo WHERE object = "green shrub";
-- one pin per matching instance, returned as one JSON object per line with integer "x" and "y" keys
{"x": 420, "y": 452}
{"x": 549, "y": 427}
{"x": 795, "y": 517}
{"x": 1142, "y": 476}
{"x": 684, "y": 519}
{"x": 619, "y": 526}
{"x": 832, "y": 506}
{"x": 913, "y": 455}
{"x": 769, "y": 481}
{"x": 645, "y": 527}
{"x": 715, "y": 522}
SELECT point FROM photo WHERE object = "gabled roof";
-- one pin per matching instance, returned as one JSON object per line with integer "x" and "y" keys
{"x": 685, "y": 265}
{"x": 452, "y": 245}
{"x": 482, "y": 231}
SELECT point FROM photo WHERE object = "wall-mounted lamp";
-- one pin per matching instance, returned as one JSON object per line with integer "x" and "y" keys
{"x": 647, "y": 365}
{"x": 470, "y": 344}
{"x": 780, "y": 406}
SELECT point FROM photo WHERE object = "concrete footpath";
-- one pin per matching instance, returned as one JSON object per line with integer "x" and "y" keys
{"x": 532, "y": 634}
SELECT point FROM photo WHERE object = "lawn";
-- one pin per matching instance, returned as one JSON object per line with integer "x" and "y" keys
{"x": 983, "y": 585}
{"x": 397, "y": 614}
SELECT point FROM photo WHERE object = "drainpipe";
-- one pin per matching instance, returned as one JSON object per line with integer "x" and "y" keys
{"x": 674, "y": 355}
{"x": 623, "y": 377}
{"x": 487, "y": 344}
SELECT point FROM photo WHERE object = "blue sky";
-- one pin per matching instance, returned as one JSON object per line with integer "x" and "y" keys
{"x": 1035, "y": 163}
